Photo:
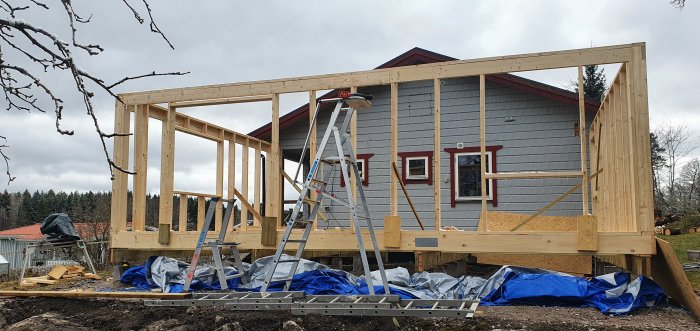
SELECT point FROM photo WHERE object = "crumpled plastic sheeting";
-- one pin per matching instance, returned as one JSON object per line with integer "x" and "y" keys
{"x": 612, "y": 293}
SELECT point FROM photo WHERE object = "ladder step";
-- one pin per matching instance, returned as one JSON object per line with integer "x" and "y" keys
{"x": 309, "y": 201}
{"x": 235, "y": 276}
{"x": 288, "y": 261}
{"x": 296, "y": 240}
{"x": 335, "y": 160}
{"x": 318, "y": 181}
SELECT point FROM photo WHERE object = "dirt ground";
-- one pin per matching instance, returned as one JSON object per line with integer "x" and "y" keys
{"x": 101, "y": 314}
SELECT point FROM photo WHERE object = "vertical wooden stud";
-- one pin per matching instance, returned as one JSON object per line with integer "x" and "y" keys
{"x": 353, "y": 140}
{"x": 244, "y": 182}
{"x": 274, "y": 175}
{"x": 312, "y": 141}
{"x": 482, "y": 144}
{"x": 584, "y": 141}
{"x": 182, "y": 219}
{"x": 394, "y": 148}
{"x": 201, "y": 211}
{"x": 120, "y": 184}
{"x": 167, "y": 169}
{"x": 256, "y": 181}
{"x": 140, "y": 168}
{"x": 436, "y": 153}
{"x": 644, "y": 201}
{"x": 218, "y": 216}
{"x": 231, "y": 180}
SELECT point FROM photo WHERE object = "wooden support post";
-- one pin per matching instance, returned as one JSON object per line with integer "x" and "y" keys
{"x": 394, "y": 209}
{"x": 392, "y": 231}
{"x": 120, "y": 184}
{"x": 482, "y": 144}
{"x": 201, "y": 211}
{"x": 218, "y": 216}
{"x": 231, "y": 180}
{"x": 274, "y": 175}
{"x": 268, "y": 233}
{"x": 644, "y": 203}
{"x": 587, "y": 233}
{"x": 244, "y": 184}
{"x": 256, "y": 181}
{"x": 584, "y": 141}
{"x": 140, "y": 168}
{"x": 436, "y": 153}
{"x": 167, "y": 170}
{"x": 182, "y": 220}
{"x": 312, "y": 141}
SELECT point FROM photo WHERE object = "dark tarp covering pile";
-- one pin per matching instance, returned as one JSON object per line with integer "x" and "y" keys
{"x": 59, "y": 227}
{"x": 614, "y": 293}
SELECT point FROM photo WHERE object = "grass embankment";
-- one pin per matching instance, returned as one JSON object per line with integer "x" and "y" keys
{"x": 681, "y": 244}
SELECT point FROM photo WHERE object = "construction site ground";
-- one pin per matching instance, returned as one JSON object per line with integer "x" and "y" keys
{"x": 131, "y": 314}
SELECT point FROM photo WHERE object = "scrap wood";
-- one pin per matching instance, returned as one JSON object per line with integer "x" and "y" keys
{"x": 58, "y": 271}
{"x": 75, "y": 294}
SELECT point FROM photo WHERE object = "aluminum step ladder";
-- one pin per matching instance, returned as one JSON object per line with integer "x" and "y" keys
{"x": 346, "y": 103}
{"x": 215, "y": 246}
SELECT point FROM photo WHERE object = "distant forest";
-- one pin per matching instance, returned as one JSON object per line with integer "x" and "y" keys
{"x": 22, "y": 209}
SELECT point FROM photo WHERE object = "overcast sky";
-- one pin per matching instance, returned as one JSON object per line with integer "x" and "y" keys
{"x": 234, "y": 41}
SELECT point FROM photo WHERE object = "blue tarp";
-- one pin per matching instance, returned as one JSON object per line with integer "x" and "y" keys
{"x": 614, "y": 293}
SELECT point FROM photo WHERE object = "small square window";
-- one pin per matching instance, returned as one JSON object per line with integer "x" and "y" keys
{"x": 417, "y": 167}
{"x": 361, "y": 168}
{"x": 468, "y": 176}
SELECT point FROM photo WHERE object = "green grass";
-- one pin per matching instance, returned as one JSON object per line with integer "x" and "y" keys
{"x": 681, "y": 244}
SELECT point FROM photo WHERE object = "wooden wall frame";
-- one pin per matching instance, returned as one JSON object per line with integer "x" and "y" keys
{"x": 621, "y": 195}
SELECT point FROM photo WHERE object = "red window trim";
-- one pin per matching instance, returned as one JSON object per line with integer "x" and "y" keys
{"x": 494, "y": 188}
{"x": 429, "y": 165}
{"x": 365, "y": 158}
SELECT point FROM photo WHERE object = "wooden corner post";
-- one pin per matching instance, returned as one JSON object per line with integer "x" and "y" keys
{"x": 140, "y": 167}
{"x": 482, "y": 144}
{"x": 167, "y": 171}
{"x": 436, "y": 153}
{"x": 393, "y": 209}
{"x": 120, "y": 184}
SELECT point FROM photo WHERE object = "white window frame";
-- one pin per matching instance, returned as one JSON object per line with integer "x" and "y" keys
{"x": 362, "y": 166}
{"x": 419, "y": 177}
{"x": 489, "y": 169}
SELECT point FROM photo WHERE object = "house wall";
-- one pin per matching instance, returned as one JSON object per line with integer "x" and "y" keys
{"x": 540, "y": 138}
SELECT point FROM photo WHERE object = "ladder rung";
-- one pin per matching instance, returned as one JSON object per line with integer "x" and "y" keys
{"x": 318, "y": 181}
{"x": 309, "y": 201}
{"x": 335, "y": 160}
{"x": 287, "y": 261}
{"x": 235, "y": 276}
{"x": 296, "y": 240}
{"x": 281, "y": 279}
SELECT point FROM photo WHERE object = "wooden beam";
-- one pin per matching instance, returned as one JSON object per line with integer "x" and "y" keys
{"x": 312, "y": 147}
{"x": 482, "y": 149}
{"x": 395, "y": 171}
{"x": 246, "y": 204}
{"x": 120, "y": 184}
{"x": 392, "y": 231}
{"x": 463, "y": 68}
{"x": 222, "y": 101}
{"x": 587, "y": 233}
{"x": 644, "y": 199}
{"x": 394, "y": 134}
{"x": 610, "y": 243}
{"x": 195, "y": 194}
{"x": 86, "y": 294}
{"x": 436, "y": 153}
{"x": 669, "y": 274}
{"x": 534, "y": 174}
{"x": 353, "y": 141}
{"x": 138, "y": 218}
{"x": 201, "y": 211}
{"x": 298, "y": 189}
{"x": 583, "y": 141}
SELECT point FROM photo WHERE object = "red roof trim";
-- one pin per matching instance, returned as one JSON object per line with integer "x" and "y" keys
{"x": 418, "y": 56}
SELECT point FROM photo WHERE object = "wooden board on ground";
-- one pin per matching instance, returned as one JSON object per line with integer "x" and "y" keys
{"x": 667, "y": 271}
{"x": 501, "y": 221}
{"x": 72, "y": 294}
{"x": 58, "y": 271}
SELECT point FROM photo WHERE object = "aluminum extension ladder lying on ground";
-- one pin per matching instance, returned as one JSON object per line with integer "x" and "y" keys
{"x": 345, "y": 103}
{"x": 216, "y": 246}
{"x": 298, "y": 303}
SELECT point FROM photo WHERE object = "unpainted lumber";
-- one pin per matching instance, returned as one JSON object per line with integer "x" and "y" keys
{"x": 58, "y": 271}
{"x": 75, "y": 294}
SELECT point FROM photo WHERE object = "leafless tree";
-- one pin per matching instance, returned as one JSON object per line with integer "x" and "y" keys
{"x": 690, "y": 186}
{"x": 677, "y": 144}
{"x": 678, "y": 3}
{"x": 28, "y": 51}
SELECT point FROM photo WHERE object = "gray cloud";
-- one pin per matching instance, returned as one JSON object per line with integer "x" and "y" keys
{"x": 229, "y": 41}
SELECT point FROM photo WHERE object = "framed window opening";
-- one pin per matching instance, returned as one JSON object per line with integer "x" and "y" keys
{"x": 363, "y": 167}
{"x": 465, "y": 174}
{"x": 417, "y": 167}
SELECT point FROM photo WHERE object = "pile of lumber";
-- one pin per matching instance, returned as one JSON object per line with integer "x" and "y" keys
{"x": 693, "y": 230}
{"x": 59, "y": 274}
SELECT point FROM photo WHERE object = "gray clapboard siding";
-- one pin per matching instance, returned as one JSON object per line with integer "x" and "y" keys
{"x": 540, "y": 138}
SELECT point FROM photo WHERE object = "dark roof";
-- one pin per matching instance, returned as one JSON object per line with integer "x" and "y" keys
{"x": 418, "y": 56}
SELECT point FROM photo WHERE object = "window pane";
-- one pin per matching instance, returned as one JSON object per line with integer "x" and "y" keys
{"x": 469, "y": 176}
{"x": 416, "y": 167}
{"x": 361, "y": 168}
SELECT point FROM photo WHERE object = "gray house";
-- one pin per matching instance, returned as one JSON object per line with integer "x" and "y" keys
{"x": 531, "y": 126}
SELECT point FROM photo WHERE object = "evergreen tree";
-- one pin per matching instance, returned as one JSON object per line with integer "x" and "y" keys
{"x": 594, "y": 82}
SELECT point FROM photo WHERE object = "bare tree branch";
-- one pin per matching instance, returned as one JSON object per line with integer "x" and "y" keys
{"x": 7, "y": 160}
{"x": 23, "y": 89}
